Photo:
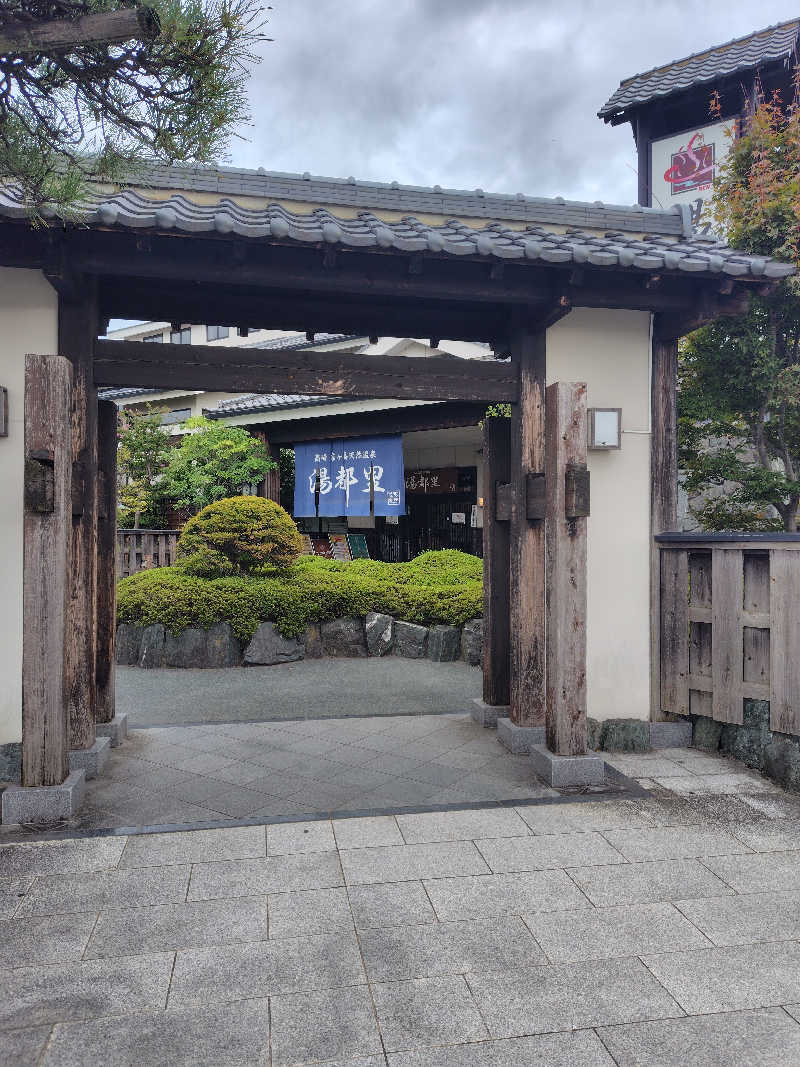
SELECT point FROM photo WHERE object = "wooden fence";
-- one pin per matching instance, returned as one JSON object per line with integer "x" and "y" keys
{"x": 139, "y": 550}
{"x": 728, "y": 618}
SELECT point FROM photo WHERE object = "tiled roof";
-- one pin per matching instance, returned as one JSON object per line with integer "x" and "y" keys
{"x": 124, "y": 394}
{"x": 546, "y": 231}
{"x": 743, "y": 53}
{"x": 244, "y": 405}
{"x": 299, "y": 340}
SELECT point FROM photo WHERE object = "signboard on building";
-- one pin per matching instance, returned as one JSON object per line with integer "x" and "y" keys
{"x": 434, "y": 481}
{"x": 362, "y": 476}
{"x": 683, "y": 168}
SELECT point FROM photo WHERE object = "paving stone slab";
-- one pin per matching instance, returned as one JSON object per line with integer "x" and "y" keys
{"x": 498, "y": 894}
{"x": 411, "y": 862}
{"x": 770, "y": 837}
{"x": 730, "y": 979}
{"x": 633, "y": 883}
{"x": 570, "y": 996}
{"x": 460, "y": 825}
{"x": 426, "y": 1011}
{"x": 583, "y": 818}
{"x": 367, "y": 832}
{"x": 763, "y": 873}
{"x": 542, "y": 853}
{"x": 11, "y": 892}
{"x": 168, "y": 927}
{"x": 236, "y": 1035}
{"x": 737, "y": 1039}
{"x": 23, "y": 1048}
{"x": 607, "y": 933}
{"x": 300, "y": 837}
{"x": 51, "y": 939}
{"x": 276, "y": 874}
{"x": 60, "y": 857}
{"x": 483, "y": 945}
{"x": 717, "y": 783}
{"x": 745, "y": 920}
{"x": 643, "y": 766}
{"x": 265, "y": 968}
{"x": 314, "y": 911}
{"x": 673, "y": 843}
{"x": 580, "y": 1049}
{"x": 309, "y": 1027}
{"x": 135, "y": 887}
{"x": 154, "y": 850}
{"x": 33, "y": 996}
{"x": 391, "y": 904}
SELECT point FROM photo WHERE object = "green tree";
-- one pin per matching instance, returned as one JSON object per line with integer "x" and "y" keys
{"x": 739, "y": 378}
{"x": 78, "y": 102}
{"x": 214, "y": 461}
{"x": 143, "y": 449}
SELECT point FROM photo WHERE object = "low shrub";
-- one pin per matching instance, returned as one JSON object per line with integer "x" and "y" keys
{"x": 437, "y": 587}
{"x": 237, "y": 536}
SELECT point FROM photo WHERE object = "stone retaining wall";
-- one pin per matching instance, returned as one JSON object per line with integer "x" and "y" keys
{"x": 350, "y": 636}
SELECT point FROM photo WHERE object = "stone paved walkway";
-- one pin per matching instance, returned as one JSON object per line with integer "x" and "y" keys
{"x": 648, "y": 932}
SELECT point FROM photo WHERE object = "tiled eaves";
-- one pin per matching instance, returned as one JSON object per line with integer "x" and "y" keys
{"x": 268, "y": 402}
{"x": 275, "y": 223}
{"x": 741, "y": 54}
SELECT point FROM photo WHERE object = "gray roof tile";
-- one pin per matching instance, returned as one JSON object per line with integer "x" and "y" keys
{"x": 743, "y": 53}
{"x": 255, "y": 403}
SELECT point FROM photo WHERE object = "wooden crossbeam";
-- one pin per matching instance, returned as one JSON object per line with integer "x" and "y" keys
{"x": 234, "y": 369}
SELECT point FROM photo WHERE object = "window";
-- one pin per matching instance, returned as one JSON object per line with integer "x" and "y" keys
{"x": 245, "y": 331}
{"x": 216, "y": 333}
{"x": 181, "y": 337}
{"x": 153, "y": 337}
{"x": 170, "y": 418}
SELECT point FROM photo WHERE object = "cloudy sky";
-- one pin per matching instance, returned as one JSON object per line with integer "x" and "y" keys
{"x": 497, "y": 94}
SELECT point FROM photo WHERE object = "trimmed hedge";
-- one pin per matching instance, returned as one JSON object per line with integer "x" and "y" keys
{"x": 436, "y": 587}
{"x": 237, "y": 536}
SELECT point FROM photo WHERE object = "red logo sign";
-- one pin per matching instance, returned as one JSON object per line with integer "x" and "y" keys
{"x": 692, "y": 167}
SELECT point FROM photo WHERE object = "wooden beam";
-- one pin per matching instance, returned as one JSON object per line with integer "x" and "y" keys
{"x": 496, "y": 604}
{"x": 663, "y": 491}
{"x": 393, "y": 420}
{"x": 784, "y": 711}
{"x": 106, "y": 560}
{"x": 266, "y": 370}
{"x": 527, "y": 539}
{"x": 46, "y": 547}
{"x": 77, "y": 330}
{"x": 727, "y": 605}
{"x": 64, "y": 35}
{"x": 566, "y": 454}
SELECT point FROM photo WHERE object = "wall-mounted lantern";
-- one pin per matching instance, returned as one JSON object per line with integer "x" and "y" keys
{"x": 605, "y": 428}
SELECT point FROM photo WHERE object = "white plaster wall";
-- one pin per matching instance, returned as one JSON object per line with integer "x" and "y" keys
{"x": 610, "y": 351}
{"x": 28, "y": 323}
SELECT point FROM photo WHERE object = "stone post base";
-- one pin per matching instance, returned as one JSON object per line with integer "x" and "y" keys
{"x": 43, "y": 804}
{"x": 519, "y": 739}
{"x": 565, "y": 771}
{"x": 117, "y": 729}
{"x": 487, "y": 714}
{"x": 91, "y": 760}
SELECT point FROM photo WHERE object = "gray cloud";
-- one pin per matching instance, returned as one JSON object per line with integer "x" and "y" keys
{"x": 500, "y": 94}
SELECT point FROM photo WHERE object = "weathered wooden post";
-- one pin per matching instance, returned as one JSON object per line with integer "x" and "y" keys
{"x": 46, "y": 557}
{"x": 496, "y": 530}
{"x": 106, "y": 560}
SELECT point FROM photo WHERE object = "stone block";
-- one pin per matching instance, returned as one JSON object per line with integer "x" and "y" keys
{"x": 312, "y": 641}
{"x": 488, "y": 714}
{"x": 594, "y": 734}
{"x": 129, "y": 644}
{"x": 564, "y": 771}
{"x": 11, "y": 762}
{"x": 743, "y": 744}
{"x": 444, "y": 643}
{"x": 42, "y": 805}
{"x": 268, "y": 646}
{"x": 186, "y": 649}
{"x": 91, "y": 760}
{"x": 154, "y": 646}
{"x": 472, "y": 642}
{"x": 781, "y": 761}
{"x": 344, "y": 637}
{"x": 624, "y": 735}
{"x": 755, "y": 715}
{"x": 706, "y": 733}
{"x": 380, "y": 633}
{"x": 410, "y": 640}
{"x": 518, "y": 739}
{"x": 222, "y": 648}
{"x": 116, "y": 730}
{"x": 676, "y": 734}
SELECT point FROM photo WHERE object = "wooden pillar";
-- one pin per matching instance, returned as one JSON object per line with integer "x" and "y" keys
{"x": 77, "y": 331}
{"x": 46, "y": 548}
{"x": 496, "y": 530}
{"x": 106, "y": 559}
{"x": 663, "y": 485}
{"x": 271, "y": 486}
{"x": 527, "y": 540}
{"x": 567, "y": 509}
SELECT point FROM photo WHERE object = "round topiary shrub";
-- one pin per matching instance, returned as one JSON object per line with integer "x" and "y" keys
{"x": 236, "y": 536}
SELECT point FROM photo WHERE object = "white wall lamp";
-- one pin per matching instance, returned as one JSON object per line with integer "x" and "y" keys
{"x": 605, "y": 428}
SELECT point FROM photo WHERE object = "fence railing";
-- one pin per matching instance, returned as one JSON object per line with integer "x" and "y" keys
{"x": 729, "y": 625}
{"x": 139, "y": 550}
